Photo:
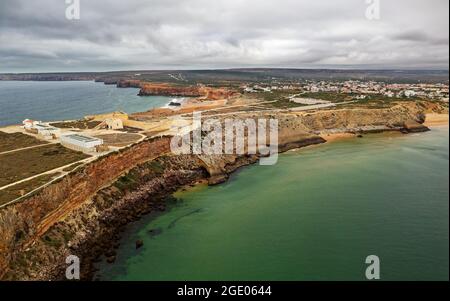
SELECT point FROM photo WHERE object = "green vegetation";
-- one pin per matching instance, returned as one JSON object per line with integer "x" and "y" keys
{"x": 375, "y": 101}
{"x": 51, "y": 241}
{"x": 23, "y": 164}
{"x": 278, "y": 99}
{"x": 156, "y": 167}
{"x": 273, "y": 95}
{"x": 9, "y": 142}
{"x": 329, "y": 96}
{"x": 343, "y": 97}
{"x": 135, "y": 177}
{"x": 127, "y": 182}
{"x": 284, "y": 103}
{"x": 67, "y": 236}
{"x": 380, "y": 102}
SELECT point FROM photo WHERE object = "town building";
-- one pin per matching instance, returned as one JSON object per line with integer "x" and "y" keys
{"x": 410, "y": 93}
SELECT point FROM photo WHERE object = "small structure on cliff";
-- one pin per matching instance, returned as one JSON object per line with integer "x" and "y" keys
{"x": 114, "y": 124}
{"x": 47, "y": 131}
{"x": 44, "y": 130}
{"x": 110, "y": 124}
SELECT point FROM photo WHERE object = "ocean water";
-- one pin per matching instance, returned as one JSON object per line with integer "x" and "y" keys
{"x": 51, "y": 101}
{"x": 316, "y": 215}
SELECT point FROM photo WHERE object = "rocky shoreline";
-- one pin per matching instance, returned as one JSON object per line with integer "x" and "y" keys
{"x": 151, "y": 197}
{"x": 142, "y": 203}
{"x": 85, "y": 213}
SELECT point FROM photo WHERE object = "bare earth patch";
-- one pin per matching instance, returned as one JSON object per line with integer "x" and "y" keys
{"x": 119, "y": 140}
{"x": 30, "y": 162}
{"x": 9, "y": 142}
{"x": 80, "y": 124}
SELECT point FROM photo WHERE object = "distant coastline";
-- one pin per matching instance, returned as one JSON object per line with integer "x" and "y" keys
{"x": 119, "y": 187}
{"x": 240, "y": 75}
{"x": 68, "y": 100}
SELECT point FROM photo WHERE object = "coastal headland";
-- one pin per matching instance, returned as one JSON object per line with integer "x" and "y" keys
{"x": 84, "y": 212}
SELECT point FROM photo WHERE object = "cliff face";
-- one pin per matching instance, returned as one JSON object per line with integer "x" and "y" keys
{"x": 188, "y": 91}
{"x": 90, "y": 229}
{"x": 21, "y": 224}
{"x": 167, "y": 90}
{"x": 129, "y": 84}
{"x": 361, "y": 120}
{"x": 84, "y": 213}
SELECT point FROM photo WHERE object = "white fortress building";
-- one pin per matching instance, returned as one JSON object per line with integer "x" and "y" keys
{"x": 81, "y": 143}
{"x": 44, "y": 130}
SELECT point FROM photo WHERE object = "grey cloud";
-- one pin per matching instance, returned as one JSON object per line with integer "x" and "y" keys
{"x": 146, "y": 34}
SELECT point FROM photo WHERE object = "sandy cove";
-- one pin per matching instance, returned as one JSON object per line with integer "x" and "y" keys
{"x": 85, "y": 212}
{"x": 434, "y": 120}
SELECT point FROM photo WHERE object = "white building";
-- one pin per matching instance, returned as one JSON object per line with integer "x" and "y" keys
{"x": 249, "y": 90}
{"x": 410, "y": 93}
{"x": 44, "y": 130}
{"x": 47, "y": 131}
{"x": 29, "y": 124}
{"x": 389, "y": 94}
{"x": 81, "y": 142}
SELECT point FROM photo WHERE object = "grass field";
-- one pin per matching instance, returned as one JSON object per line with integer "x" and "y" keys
{"x": 9, "y": 142}
{"x": 11, "y": 193}
{"x": 119, "y": 140}
{"x": 27, "y": 163}
{"x": 79, "y": 124}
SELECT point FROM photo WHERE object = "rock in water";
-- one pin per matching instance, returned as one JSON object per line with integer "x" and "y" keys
{"x": 414, "y": 127}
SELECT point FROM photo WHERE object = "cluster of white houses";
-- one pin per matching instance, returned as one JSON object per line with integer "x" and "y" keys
{"x": 70, "y": 140}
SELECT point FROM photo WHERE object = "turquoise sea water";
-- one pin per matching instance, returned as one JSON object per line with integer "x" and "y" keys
{"x": 316, "y": 215}
{"x": 50, "y": 101}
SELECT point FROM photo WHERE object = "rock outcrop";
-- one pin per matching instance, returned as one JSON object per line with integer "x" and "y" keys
{"x": 185, "y": 91}
{"x": 412, "y": 126}
{"x": 129, "y": 84}
{"x": 84, "y": 213}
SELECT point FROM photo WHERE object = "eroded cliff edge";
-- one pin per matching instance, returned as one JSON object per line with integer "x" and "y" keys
{"x": 84, "y": 213}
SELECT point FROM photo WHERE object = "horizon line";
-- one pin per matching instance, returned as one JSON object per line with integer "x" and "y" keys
{"x": 234, "y": 68}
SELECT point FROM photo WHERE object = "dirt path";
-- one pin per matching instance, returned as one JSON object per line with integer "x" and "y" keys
{"x": 58, "y": 169}
{"x": 25, "y": 148}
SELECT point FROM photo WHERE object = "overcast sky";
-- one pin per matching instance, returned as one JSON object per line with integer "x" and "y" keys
{"x": 35, "y": 36}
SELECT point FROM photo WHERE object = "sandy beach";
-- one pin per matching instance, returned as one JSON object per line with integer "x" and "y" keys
{"x": 434, "y": 120}
{"x": 337, "y": 136}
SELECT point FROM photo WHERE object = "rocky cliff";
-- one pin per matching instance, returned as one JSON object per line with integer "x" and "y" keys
{"x": 129, "y": 84}
{"x": 24, "y": 223}
{"x": 184, "y": 91}
{"x": 84, "y": 213}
